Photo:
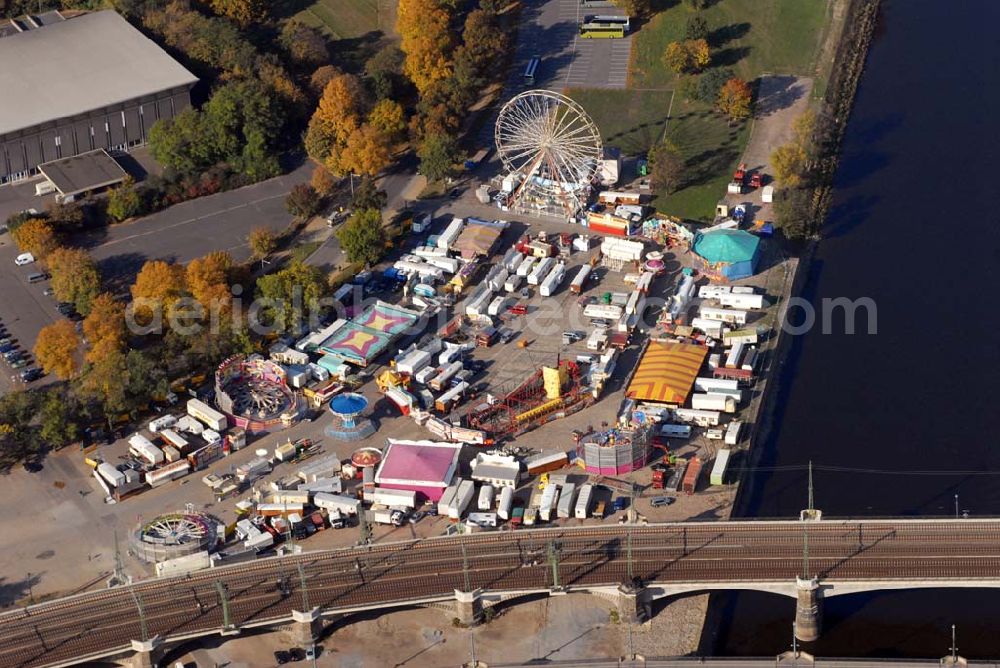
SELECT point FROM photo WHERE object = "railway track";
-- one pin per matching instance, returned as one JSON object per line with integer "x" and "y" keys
{"x": 269, "y": 589}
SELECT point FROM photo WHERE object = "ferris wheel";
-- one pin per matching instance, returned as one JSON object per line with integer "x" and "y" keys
{"x": 552, "y": 146}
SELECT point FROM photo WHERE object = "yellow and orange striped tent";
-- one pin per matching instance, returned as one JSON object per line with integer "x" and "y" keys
{"x": 666, "y": 373}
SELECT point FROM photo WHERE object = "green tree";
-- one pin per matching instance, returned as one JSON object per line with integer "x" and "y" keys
{"x": 788, "y": 163}
{"x": 303, "y": 201}
{"x": 291, "y": 294}
{"x": 57, "y": 419}
{"x": 695, "y": 5}
{"x": 145, "y": 378}
{"x": 178, "y": 143}
{"x": 363, "y": 237}
{"x": 262, "y": 242}
{"x": 710, "y": 83}
{"x": 75, "y": 277}
{"x": 666, "y": 167}
{"x": 438, "y": 155}
{"x": 368, "y": 196}
{"x": 304, "y": 44}
{"x": 384, "y": 72}
{"x": 124, "y": 201}
{"x": 696, "y": 28}
{"x": 793, "y": 212}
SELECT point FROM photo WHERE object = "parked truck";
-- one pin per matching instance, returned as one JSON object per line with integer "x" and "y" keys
{"x": 692, "y": 475}
{"x": 583, "y": 502}
{"x": 719, "y": 468}
{"x": 547, "y": 504}
{"x": 505, "y": 503}
{"x": 713, "y": 402}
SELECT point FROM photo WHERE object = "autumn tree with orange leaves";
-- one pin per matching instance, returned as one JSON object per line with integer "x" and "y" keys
{"x": 157, "y": 286}
{"x": 37, "y": 237}
{"x": 426, "y": 41}
{"x": 104, "y": 327}
{"x": 208, "y": 280}
{"x": 734, "y": 99}
{"x": 75, "y": 277}
{"x": 56, "y": 349}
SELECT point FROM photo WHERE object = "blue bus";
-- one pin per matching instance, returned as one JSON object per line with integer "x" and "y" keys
{"x": 531, "y": 70}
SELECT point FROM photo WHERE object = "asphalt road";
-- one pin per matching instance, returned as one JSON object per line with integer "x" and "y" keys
{"x": 191, "y": 229}
{"x": 708, "y": 552}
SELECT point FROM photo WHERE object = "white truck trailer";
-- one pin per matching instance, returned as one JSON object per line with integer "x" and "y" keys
{"x": 583, "y": 502}
{"x": 567, "y": 496}
{"x": 485, "y": 498}
{"x": 505, "y": 503}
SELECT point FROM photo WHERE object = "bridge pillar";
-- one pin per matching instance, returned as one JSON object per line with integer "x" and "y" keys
{"x": 631, "y": 604}
{"x": 147, "y": 653}
{"x": 469, "y": 606}
{"x": 306, "y": 628}
{"x": 807, "y": 611}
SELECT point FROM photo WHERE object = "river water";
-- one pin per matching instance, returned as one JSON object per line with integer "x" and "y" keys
{"x": 914, "y": 227}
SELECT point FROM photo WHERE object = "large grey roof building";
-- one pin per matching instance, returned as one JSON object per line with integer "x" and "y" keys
{"x": 76, "y": 85}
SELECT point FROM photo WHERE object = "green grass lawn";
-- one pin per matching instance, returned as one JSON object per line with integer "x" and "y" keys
{"x": 712, "y": 150}
{"x": 750, "y": 36}
{"x": 631, "y": 120}
{"x": 344, "y": 19}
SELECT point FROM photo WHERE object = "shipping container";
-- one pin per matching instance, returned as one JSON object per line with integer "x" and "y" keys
{"x": 505, "y": 503}
{"x": 463, "y": 497}
{"x": 692, "y": 475}
{"x": 548, "y": 502}
{"x": 733, "y": 432}
{"x": 211, "y": 417}
{"x": 384, "y": 496}
{"x": 141, "y": 447}
{"x": 451, "y": 233}
{"x": 567, "y": 499}
{"x": 582, "y": 508}
{"x": 713, "y": 402}
{"x": 580, "y": 279}
{"x": 413, "y": 361}
{"x": 448, "y": 265}
{"x": 675, "y": 430}
{"x": 697, "y": 417}
{"x": 719, "y": 468}
{"x": 171, "y": 437}
{"x": 167, "y": 473}
{"x": 171, "y": 454}
{"x": 544, "y": 463}
{"x": 715, "y": 384}
{"x": 447, "y": 499}
{"x": 485, "y": 498}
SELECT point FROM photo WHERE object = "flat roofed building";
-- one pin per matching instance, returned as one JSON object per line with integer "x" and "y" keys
{"x": 81, "y": 84}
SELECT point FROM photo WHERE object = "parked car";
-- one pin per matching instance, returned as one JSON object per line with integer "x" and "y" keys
{"x": 660, "y": 501}
{"x": 7, "y": 347}
{"x": 23, "y": 259}
{"x": 34, "y": 373}
{"x": 19, "y": 363}
{"x": 6, "y": 341}
{"x": 297, "y": 654}
{"x": 506, "y": 334}
{"x": 48, "y": 292}
{"x": 11, "y": 355}
{"x": 455, "y": 193}
{"x": 282, "y": 657}
{"x": 620, "y": 504}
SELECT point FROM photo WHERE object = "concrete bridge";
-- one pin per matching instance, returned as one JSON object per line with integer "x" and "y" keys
{"x": 630, "y": 566}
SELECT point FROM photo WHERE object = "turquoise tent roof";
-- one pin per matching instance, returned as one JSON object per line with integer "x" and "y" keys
{"x": 726, "y": 246}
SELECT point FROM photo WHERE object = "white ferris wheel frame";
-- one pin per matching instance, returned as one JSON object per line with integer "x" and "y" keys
{"x": 542, "y": 128}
